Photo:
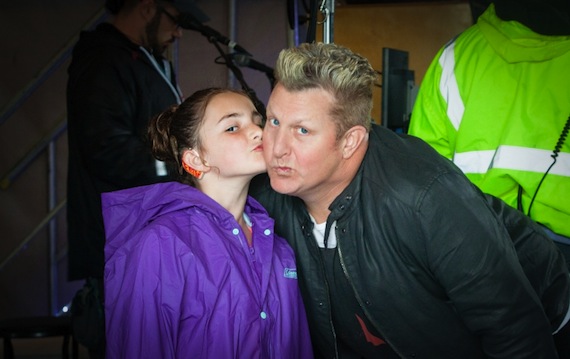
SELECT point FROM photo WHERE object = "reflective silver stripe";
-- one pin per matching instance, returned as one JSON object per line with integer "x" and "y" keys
{"x": 512, "y": 158}
{"x": 474, "y": 161}
{"x": 448, "y": 86}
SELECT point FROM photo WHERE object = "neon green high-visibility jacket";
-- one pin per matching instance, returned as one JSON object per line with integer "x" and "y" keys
{"x": 495, "y": 101}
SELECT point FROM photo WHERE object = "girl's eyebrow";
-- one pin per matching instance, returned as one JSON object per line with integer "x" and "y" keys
{"x": 230, "y": 115}
{"x": 255, "y": 114}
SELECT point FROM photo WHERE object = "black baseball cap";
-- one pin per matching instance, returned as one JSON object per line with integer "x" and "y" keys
{"x": 183, "y": 6}
{"x": 189, "y": 7}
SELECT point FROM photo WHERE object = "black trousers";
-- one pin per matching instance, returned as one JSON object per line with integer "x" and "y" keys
{"x": 88, "y": 318}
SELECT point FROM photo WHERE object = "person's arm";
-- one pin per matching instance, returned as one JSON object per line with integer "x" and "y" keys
{"x": 541, "y": 260}
{"x": 112, "y": 136}
{"x": 429, "y": 120}
{"x": 472, "y": 257}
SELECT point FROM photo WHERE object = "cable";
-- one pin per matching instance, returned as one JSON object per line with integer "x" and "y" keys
{"x": 554, "y": 155}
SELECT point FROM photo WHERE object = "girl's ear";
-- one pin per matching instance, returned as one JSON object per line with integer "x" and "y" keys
{"x": 192, "y": 158}
{"x": 193, "y": 164}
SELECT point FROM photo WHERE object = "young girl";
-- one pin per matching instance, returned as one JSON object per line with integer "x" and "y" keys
{"x": 193, "y": 268}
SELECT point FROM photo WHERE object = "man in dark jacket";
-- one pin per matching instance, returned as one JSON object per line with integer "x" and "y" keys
{"x": 118, "y": 80}
{"x": 398, "y": 254}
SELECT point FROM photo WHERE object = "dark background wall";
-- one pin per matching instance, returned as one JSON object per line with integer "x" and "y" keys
{"x": 34, "y": 32}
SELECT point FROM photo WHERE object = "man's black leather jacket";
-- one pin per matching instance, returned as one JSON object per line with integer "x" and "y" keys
{"x": 429, "y": 259}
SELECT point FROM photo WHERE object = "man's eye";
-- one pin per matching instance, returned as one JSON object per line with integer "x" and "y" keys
{"x": 232, "y": 129}
{"x": 273, "y": 121}
{"x": 303, "y": 131}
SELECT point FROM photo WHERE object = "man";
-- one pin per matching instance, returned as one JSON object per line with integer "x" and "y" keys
{"x": 118, "y": 80}
{"x": 398, "y": 254}
{"x": 496, "y": 101}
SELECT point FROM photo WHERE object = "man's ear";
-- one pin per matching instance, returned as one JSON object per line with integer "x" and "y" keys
{"x": 352, "y": 140}
{"x": 147, "y": 9}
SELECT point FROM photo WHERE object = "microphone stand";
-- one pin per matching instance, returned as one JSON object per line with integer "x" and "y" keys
{"x": 243, "y": 60}
{"x": 189, "y": 21}
{"x": 239, "y": 76}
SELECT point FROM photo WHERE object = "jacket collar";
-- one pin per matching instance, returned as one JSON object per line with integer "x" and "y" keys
{"x": 345, "y": 202}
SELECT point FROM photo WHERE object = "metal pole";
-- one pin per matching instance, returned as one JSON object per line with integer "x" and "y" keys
{"x": 232, "y": 35}
{"x": 296, "y": 22}
{"x": 327, "y": 8}
{"x": 52, "y": 244}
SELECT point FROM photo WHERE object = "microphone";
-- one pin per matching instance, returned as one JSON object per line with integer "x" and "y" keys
{"x": 246, "y": 61}
{"x": 187, "y": 21}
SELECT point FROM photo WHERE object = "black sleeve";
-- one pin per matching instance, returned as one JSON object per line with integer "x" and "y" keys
{"x": 540, "y": 258}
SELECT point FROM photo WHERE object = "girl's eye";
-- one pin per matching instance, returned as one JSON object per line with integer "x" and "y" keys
{"x": 232, "y": 129}
{"x": 303, "y": 131}
{"x": 273, "y": 121}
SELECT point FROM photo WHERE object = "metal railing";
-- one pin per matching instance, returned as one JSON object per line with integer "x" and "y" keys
{"x": 45, "y": 144}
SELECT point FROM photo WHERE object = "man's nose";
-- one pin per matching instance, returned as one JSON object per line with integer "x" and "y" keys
{"x": 281, "y": 143}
